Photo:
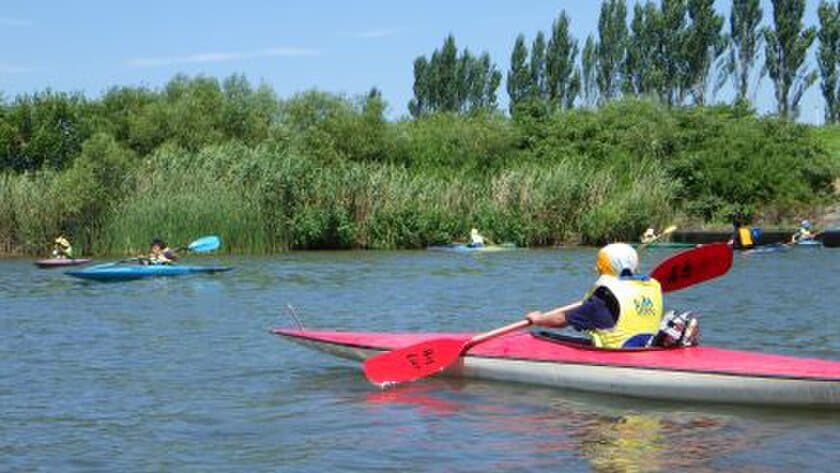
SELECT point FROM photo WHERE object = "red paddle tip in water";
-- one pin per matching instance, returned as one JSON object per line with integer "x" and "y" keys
{"x": 413, "y": 362}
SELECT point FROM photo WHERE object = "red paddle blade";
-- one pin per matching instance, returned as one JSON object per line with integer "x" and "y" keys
{"x": 413, "y": 362}
{"x": 693, "y": 266}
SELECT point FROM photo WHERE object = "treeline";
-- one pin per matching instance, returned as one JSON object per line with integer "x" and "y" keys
{"x": 317, "y": 170}
{"x": 592, "y": 150}
{"x": 681, "y": 52}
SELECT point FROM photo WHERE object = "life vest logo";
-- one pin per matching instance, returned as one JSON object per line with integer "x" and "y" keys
{"x": 644, "y": 306}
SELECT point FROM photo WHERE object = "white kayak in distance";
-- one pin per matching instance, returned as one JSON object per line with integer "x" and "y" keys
{"x": 699, "y": 373}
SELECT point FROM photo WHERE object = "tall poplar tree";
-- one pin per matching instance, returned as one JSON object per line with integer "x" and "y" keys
{"x": 745, "y": 41}
{"x": 519, "y": 75}
{"x": 611, "y": 48}
{"x": 642, "y": 70}
{"x": 705, "y": 44}
{"x": 537, "y": 67}
{"x": 828, "y": 58}
{"x": 562, "y": 74}
{"x": 672, "y": 53}
{"x": 785, "y": 53}
{"x": 589, "y": 63}
{"x": 449, "y": 82}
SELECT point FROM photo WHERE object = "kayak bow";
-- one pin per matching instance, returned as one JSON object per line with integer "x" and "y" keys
{"x": 701, "y": 373}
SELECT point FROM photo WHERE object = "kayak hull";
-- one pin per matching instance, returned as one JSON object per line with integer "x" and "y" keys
{"x": 464, "y": 248}
{"x": 702, "y": 374}
{"x": 61, "y": 262}
{"x": 808, "y": 244}
{"x": 112, "y": 273}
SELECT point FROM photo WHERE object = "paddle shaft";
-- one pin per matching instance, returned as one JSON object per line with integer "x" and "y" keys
{"x": 519, "y": 325}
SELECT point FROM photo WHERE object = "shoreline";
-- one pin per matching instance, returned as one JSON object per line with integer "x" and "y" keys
{"x": 770, "y": 236}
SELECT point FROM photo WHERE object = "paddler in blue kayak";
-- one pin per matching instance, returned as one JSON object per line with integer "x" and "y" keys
{"x": 804, "y": 233}
{"x": 160, "y": 253}
{"x": 622, "y": 310}
{"x": 62, "y": 248}
{"x": 476, "y": 239}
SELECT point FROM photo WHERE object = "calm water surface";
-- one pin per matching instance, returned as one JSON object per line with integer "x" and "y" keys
{"x": 182, "y": 375}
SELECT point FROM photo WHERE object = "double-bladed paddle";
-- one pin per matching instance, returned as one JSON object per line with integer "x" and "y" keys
{"x": 433, "y": 356}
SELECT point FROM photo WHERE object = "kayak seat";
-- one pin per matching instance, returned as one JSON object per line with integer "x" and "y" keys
{"x": 550, "y": 336}
{"x": 636, "y": 343}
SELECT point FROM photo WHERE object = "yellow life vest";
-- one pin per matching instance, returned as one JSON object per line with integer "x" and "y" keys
{"x": 640, "y": 310}
{"x": 745, "y": 235}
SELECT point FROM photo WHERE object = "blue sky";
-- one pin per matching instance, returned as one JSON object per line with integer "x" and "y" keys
{"x": 344, "y": 47}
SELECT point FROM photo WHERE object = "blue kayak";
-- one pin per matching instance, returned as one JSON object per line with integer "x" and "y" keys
{"x": 465, "y": 248}
{"x": 763, "y": 249}
{"x": 115, "y": 272}
{"x": 809, "y": 244}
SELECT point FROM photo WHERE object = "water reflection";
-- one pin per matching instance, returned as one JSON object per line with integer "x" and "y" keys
{"x": 610, "y": 434}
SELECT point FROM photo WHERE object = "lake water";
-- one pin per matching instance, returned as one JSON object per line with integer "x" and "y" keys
{"x": 182, "y": 374}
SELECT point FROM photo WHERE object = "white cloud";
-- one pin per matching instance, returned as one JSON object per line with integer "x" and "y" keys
{"x": 375, "y": 34}
{"x": 222, "y": 56}
{"x": 8, "y": 21}
{"x": 12, "y": 69}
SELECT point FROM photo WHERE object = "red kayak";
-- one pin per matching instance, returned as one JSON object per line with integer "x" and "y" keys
{"x": 61, "y": 262}
{"x": 699, "y": 373}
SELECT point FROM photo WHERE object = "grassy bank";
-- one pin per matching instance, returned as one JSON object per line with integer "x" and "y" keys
{"x": 321, "y": 171}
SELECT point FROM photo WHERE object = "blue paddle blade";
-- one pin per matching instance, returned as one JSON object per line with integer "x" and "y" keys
{"x": 205, "y": 244}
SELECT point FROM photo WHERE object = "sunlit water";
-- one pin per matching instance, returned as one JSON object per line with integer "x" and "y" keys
{"x": 181, "y": 374}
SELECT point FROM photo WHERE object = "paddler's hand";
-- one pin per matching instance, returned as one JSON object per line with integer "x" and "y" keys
{"x": 536, "y": 318}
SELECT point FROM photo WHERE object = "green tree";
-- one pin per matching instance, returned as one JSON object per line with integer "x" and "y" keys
{"x": 519, "y": 76}
{"x": 611, "y": 48}
{"x": 828, "y": 58}
{"x": 672, "y": 54}
{"x": 705, "y": 44}
{"x": 589, "y": 63}
{"x": 745, "y": 41}
{"x": 642, "y": 69}
{"x": 785, "y": 53}
{"x": 419, "y": 105}
{"x": 537, "y": 68}
{"x": 451, "y": 83}
{"x": 562, "y": 74}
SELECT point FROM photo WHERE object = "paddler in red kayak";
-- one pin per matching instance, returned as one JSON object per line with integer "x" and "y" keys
{"x": 622, "y": 310}
{"x": 62, "y": 248}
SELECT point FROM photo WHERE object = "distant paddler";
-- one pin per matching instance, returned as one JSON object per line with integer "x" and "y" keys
{"x": 476, "y": 239}
{"x": 62, "y": 248}
{"x": 803, "y": 234}
{"x": 742, "y": 236}
{"x": 159, "y": 253}
{"x": 649, "y": 236}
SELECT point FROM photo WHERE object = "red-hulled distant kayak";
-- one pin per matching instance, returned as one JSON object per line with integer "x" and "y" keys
{"x": 701, "y": 373}
{"x": 61, "y": 262}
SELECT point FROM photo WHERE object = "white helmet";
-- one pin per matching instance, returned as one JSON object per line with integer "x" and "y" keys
{"x": 617, "y": 258}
